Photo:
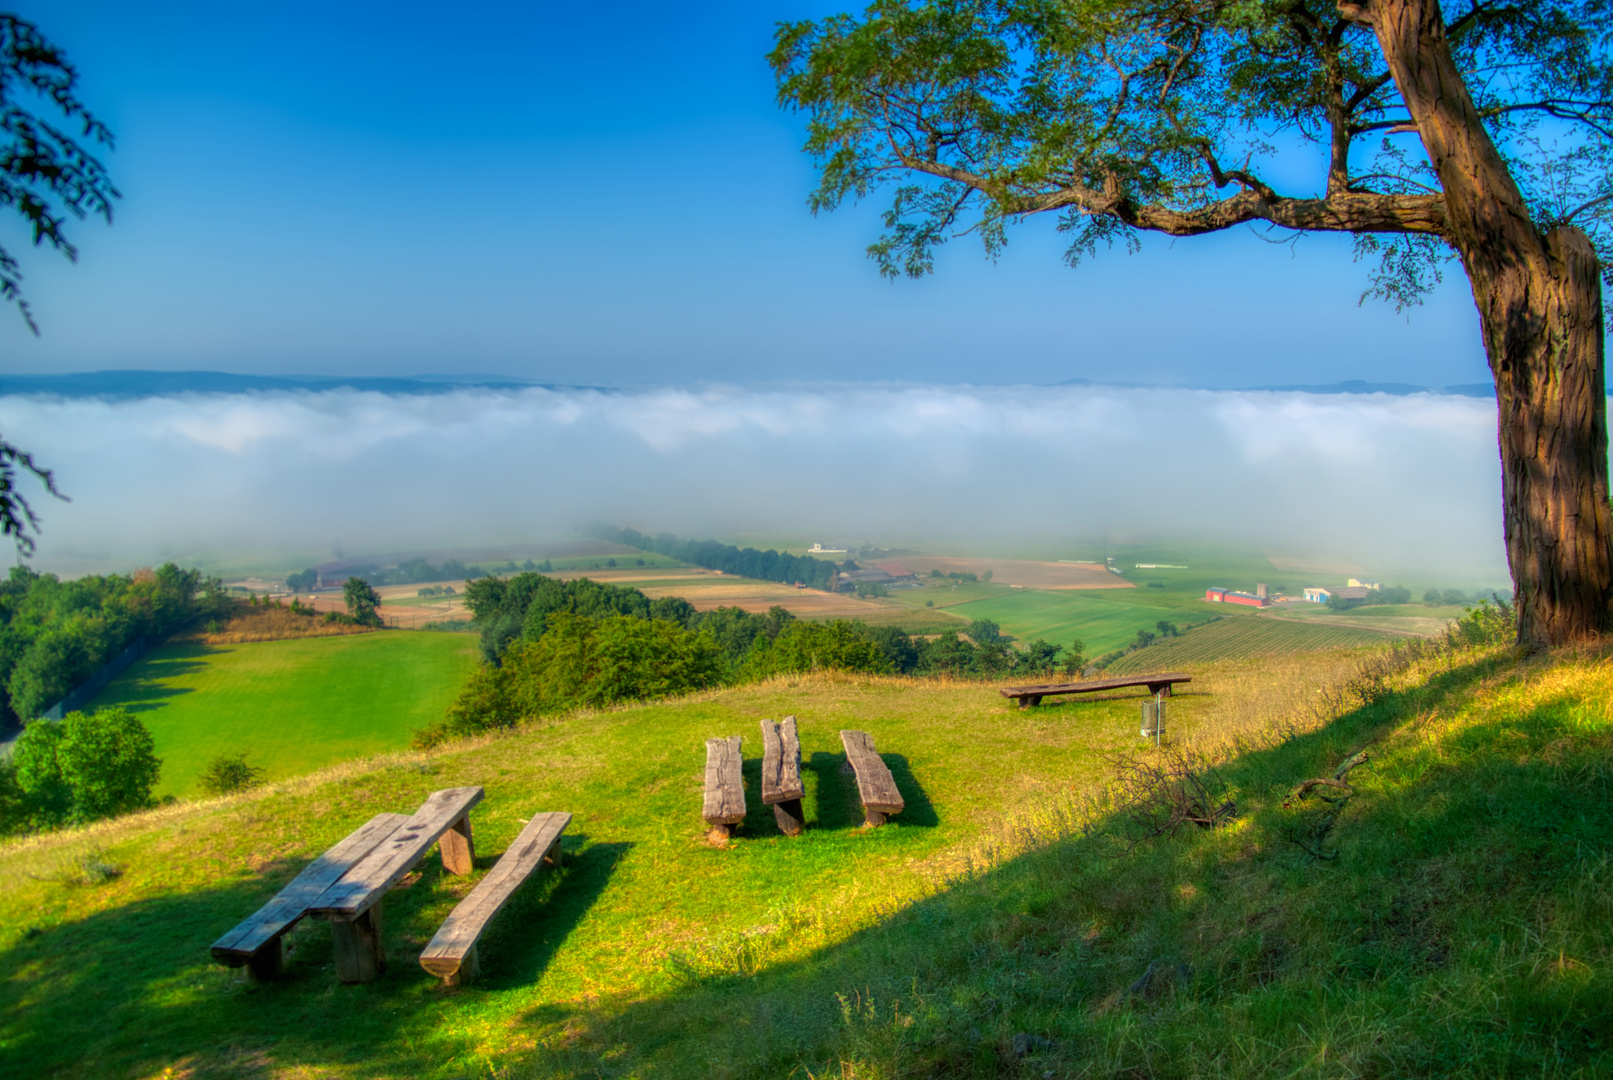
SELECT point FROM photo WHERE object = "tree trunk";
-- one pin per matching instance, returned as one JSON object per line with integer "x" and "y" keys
{"x": 1540, "y": 305}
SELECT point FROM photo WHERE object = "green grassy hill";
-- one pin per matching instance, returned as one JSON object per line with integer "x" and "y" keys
{"x": 291, "y": 706}
{"x": 1453, "y": 917}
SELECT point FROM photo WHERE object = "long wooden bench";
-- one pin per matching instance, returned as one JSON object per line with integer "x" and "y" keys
{"x": 452, "y": 956}
{"x": 1033, "y": 695}
{"x": 876, "y": 788}
{"x": 352, "y": 905}
{"x": 256, "y": 942}
{"x": 782, "y": 788}
{"x": 724, "y": 806}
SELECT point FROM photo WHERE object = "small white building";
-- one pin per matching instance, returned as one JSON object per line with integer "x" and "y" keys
{"x": 819, "y": 549}
{"x": 1353, "y": 583}
{"x": 1317, "y": 594}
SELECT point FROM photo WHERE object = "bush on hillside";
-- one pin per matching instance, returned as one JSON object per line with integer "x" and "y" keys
{"x": 84, "y": 767}
{"x": 228, "y": 773}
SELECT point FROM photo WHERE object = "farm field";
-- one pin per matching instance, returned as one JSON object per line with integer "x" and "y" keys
{"x": 291, "y": 706}
{"x": 1246, "y": 635}
{"x": 1096, "y": 618}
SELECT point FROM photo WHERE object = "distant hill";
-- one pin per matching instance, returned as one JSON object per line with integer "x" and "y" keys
{"x": 125, "y": 385}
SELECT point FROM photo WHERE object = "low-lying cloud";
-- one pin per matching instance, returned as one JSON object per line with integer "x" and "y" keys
{"x": 1403, "y": 483}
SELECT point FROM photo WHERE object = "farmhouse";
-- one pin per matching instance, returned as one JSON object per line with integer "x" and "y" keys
{"x": 1233, "y": 596}
{"x": 1321, "y": 594}
{"x": 899, "y": 574}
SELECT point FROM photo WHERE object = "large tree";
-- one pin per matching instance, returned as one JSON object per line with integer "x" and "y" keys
{"x": 47, "y": 174}
{"x": 1486, "y": 136}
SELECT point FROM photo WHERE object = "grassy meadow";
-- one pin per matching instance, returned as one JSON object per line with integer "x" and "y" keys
{"x": 291, "y": 706}
{"x": 1453, "y": 918}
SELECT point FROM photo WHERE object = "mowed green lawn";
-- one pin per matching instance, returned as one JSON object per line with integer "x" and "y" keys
{"x": 290, "y": 706}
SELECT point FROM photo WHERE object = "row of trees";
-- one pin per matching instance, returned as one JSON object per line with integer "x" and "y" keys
{"x": 56, "y": 634}
{"x": 413, "y": 572}
{"x": 550, "y": 646}
{"x": 744, "y": 562}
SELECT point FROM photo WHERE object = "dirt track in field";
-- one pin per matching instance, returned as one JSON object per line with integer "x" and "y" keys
{"x": 1031, "y": 575}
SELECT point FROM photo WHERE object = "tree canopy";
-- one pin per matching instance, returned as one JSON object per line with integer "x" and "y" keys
{"x": 1487, "y": 136}
{"x": 47, "y": 174}
{"x": 1128, "y": 116}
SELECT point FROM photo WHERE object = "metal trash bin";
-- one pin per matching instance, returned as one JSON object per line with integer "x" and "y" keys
{"x": 1154, "y": 718}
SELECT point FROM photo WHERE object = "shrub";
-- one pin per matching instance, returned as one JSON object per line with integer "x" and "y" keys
{"x": 85, "y": 767}
{"x": 228, "y": 773}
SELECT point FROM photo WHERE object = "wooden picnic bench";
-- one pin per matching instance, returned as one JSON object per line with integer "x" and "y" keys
{"x": 1033, "y": 695}
{"x": 451, "y": 956}
{"x": 353, "y": 906}
{"x": 782, "y": 788}
{"x": 724, "y": 806}
{"x": 876, "y": 788}
{"x": 256, "y": 942}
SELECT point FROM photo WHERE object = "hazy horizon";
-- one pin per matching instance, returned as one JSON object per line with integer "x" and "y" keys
{"x": 981, "y": 467}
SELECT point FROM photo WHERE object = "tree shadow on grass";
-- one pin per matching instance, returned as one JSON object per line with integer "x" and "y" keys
{"x": 141, "y": 688}
{"x": 78, "y": 988}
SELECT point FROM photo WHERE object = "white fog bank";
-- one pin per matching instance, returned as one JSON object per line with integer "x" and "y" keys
{"x": 1405, "y": 483}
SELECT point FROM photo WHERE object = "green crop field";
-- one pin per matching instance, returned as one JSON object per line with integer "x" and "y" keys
{"x": 1103, "y": 619}
{"x": 291, "y": 706}
{"x": 1246, "y": 635}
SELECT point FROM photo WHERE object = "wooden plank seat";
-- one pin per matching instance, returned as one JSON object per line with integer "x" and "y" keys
{"x": 451, "y": 956}
{"x": 782, "y": 788}
{"x": 724, "y": 806}
{"x": 876, "y": 788}
{"x": 256, "y": 942}
{"x": 352, "y": 905}
{"x": 1033, "y": 695}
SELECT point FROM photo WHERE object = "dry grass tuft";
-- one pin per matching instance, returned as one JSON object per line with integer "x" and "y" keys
{"x": 275, "y": 624}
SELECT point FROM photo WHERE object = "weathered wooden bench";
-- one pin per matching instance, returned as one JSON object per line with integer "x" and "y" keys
{"x": 1033, "y": 695}
{"x": 724, "y": 806}
{"x": 256, "y": 943}
{"x": 875, "y": 785}
{"x": 352, "y": 905}
{"x": 782, "y": 788}
{"x": 451, "y": 956}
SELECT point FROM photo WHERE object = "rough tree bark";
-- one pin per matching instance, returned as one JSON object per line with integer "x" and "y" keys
{"x": 1540, "y": 305}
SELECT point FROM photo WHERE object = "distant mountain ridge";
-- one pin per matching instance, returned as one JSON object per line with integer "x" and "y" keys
{"x": 126, "y": 385}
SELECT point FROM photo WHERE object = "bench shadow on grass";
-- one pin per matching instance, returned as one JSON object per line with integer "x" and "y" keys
{"x": 518, "y": 946}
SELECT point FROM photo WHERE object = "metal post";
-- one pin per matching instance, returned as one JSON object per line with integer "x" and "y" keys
{"x": 1159, "y": 717}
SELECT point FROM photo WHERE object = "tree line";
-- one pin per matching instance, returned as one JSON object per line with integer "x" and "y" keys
{"x": 56, "y": 634}
{"x": 768, "y": 565}
{"x": 550, "y": 646}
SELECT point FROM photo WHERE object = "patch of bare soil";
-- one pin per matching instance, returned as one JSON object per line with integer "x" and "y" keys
{"x": 1027, "y": 573}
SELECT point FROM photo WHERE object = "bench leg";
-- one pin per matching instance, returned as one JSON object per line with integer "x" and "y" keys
{"x": 269, "y": 962}
{"x": 360, "y": 955}
{"x": 468, "y": 969}
{"x": 458, "y": 848}
{"x": 1029, "y": 700}
{"x": 790, "y": 817}
{"x": 873, "y": 818}
{"x": 552, "y": 856}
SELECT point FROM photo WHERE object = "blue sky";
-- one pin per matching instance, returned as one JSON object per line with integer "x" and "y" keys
{"x": 599, "y": 195}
